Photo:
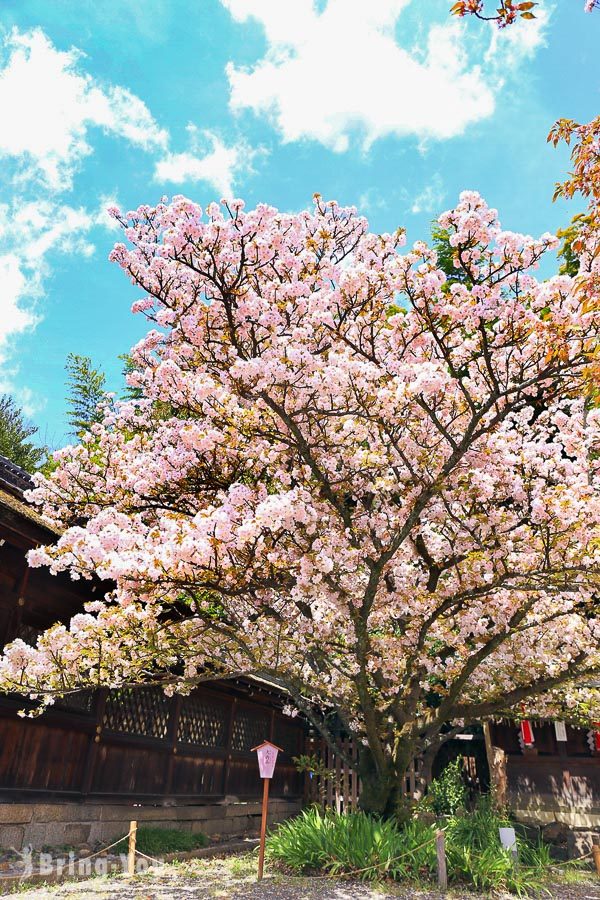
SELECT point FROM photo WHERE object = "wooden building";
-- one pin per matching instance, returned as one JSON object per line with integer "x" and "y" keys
{"x": 553, "y": 778}
{"x": 130, "y": 745}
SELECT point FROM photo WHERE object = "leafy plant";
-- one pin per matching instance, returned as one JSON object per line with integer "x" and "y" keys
{"x": 314, "y": 767}
{"x": 355, "y": 844}
{"x": 447, "y": 794}
{"x": 158, "y": 841}
{"x": 369, "y": 848}
{"x": 475, "y": 854}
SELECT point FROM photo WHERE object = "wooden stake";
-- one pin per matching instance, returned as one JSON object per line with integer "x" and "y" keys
{"x": 131, "y": 849}
{"x": 440, "y": 846}
{"x": 263, "y": 828}
{"x": 596, "y": 855}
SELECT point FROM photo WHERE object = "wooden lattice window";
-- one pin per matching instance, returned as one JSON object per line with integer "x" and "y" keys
{"x": 250, "y": 728}
{"x": 80, "y": 702}
{"x": 144, "y": 711}
{"x": 203, "y": 722}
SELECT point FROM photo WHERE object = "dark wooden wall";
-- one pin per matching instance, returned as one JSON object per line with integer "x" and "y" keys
{"x": 140, "y": 744}
{"x": 127, "y": 743}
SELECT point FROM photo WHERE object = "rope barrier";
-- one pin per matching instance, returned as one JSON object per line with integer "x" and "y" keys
{"x": 352, "y": 872}
{"x": 570, "y": 862}
{"x": 104, "y": 849}
{"x": 78, "y": 860}
{"x": 567, "y": 862}
{"x": 151, "y": 858}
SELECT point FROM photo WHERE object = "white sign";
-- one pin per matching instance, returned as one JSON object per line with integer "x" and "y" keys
{"x": 560, "y": 730}
{"x": 508, "y": 839}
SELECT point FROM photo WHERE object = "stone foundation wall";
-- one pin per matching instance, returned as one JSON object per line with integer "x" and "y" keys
{"x": 572, "y": 830}
{"x": 74, "y": 824}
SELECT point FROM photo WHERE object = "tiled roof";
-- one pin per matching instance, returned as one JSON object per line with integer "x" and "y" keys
{"x": 10, "y": 502}
{"x": 13, "y": 482}
{"x": 14, "y": 477}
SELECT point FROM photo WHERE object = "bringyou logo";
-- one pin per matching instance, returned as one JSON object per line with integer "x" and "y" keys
{"x": 28, "y": 863}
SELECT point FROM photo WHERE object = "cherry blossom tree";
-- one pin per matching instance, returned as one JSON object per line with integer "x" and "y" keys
{"x": 344, "y": 470}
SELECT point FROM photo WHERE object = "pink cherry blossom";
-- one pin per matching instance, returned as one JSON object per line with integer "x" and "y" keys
{"x": 372, "y": 481}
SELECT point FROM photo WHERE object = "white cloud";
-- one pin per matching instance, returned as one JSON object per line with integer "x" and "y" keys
{"x": 15, "y": 317}
{"x": 51, "y": 110}
{"x": 48, "y": 106}
{"x": 102, "y": 217}
{"x": 372, "y": 200}
{"x": 431, "y": 198}
{"x": 29, "y": 230}
{"x": 328, "y": 74}
{"x": 508, "y": 47}
{"x": 215, "y": 162}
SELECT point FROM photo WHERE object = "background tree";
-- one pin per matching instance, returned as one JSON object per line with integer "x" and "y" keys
{"x": 504, "y": 12}
{"x": 15, "y": 432}
{"x": 86, "y": 391}
{"x": 129, "y": 368}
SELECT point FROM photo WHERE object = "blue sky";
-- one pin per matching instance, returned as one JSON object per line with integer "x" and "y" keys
{"x": 390, "y": 105}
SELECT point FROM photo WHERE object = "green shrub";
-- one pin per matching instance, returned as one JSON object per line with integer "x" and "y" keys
{"x": 159, "y": 841}
{"x": 365, "y": 847}
{"x": 446, "y": 795}
{"x": 475, "y": 854}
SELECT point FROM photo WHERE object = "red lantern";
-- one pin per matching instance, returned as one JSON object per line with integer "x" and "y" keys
{"x": 525, "y": 732}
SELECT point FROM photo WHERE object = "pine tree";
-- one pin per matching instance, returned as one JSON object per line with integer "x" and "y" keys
{"x": 14, "y": 434}
{"x": 85, "y": 385}
{"x": 129, "y": 392}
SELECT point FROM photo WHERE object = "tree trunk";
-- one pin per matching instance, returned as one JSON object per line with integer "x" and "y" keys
{"x": 382, "y": 791}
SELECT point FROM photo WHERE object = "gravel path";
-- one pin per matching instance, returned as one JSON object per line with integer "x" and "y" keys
{"x": 234, "y": 879}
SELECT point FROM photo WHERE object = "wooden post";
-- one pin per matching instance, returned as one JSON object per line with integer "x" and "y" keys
{"x": 227, "y": 761}
{"x": 440, "y": 847}
{"x": 87, "y": 782}
{"x": 263, "y": 828}
{"x": 596, "y": 855}
{"x": 131, "y": 849}
{"x": 171, "y": 752}
{"x": 496, "y": 759}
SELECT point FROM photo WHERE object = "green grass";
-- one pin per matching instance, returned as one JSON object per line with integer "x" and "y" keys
{"x": 159, "y": 841}
{"x": 353, "y": 844}
{"x": 370, "y": 849}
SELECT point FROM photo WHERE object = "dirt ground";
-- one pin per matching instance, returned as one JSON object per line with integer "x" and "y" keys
{"x": 235, "y": 879}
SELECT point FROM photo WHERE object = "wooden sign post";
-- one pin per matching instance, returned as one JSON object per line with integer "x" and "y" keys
{"x": 267, "y": 757}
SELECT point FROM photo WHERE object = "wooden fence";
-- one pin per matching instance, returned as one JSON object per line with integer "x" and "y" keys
{"x": 339, "y": 787}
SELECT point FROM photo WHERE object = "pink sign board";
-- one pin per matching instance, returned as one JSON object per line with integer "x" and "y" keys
{"x": 267, "y": 757}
